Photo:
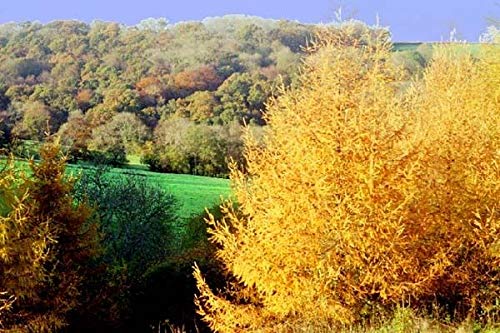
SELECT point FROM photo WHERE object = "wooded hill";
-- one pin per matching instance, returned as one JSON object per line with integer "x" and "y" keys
{"x": 172, "y": 93}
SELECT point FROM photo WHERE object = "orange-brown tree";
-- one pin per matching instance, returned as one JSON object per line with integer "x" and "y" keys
{"x": 23, "y": 247}
{"x": 364, "y": 195}
{"x": 46, "y": 242}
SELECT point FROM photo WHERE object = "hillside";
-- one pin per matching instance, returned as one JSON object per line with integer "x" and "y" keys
{"x": 174, "y": 94}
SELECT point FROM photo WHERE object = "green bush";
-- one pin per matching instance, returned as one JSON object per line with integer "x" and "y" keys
{"x": 137, "y": 221}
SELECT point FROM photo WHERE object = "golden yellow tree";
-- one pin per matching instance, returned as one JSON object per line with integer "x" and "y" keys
{"x": 23, "y": 247}
{"x": 458, "y": 178}
{"x": 46, "y": 240}
{"x": 364, "y": 195}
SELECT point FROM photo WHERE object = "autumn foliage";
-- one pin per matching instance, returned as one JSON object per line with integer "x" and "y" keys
{"x": 366, "y": 195}
{"x": 46, "y": 242}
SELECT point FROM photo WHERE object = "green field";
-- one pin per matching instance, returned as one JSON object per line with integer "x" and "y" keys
{"x": 473, "y": 48}
{"x": 405, "y": 46}
{"x": 193, "y": 193}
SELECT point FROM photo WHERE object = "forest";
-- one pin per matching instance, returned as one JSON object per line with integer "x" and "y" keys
{"x": 364, "y": 176}
{"x": 173, "y": 95}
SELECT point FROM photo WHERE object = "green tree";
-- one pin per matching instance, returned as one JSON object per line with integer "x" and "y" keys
{"x": 26, "y": 67}
{"x": 293, "y": 35}
{"x": 35, "y": 123}
{"x": 76, "y": 135}
{"x": 59, "y": 101}
{"x": 4, "y": 100}
{"x": 169, "y": 152}
{"x": 241, "y": 98}
{"x": 139, "y": 228}
{"x": 121, "y": 99}
{"x": 199, "y": 107}
{"x": 123, "y": 134}
{"x": 252, "y": 37}
{"x": 153, "y": 24}
{"x": 287, "y": 62}
{"x": 136, "y": 235}
{"x": 6, "y": 123}
{"x": 181, "y": 146}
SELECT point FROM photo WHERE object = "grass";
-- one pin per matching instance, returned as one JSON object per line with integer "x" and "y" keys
{"x": 193, "y": 193}
{"x": 405, "y": 46}
{"x": 473, "y": 48}
{"x": 134, "y": 162}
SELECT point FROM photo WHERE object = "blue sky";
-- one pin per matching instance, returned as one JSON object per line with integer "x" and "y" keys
{"x": 423, "y": 20}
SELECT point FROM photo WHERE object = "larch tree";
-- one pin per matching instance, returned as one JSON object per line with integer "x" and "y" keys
{"x": 46, "y": 242}
{"x": 23, "y": 246}
{"x": 365, "y": 195}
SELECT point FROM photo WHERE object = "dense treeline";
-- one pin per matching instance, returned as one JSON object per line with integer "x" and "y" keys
{"x": 105, "y": 87}
{"x": 112, "y": 90}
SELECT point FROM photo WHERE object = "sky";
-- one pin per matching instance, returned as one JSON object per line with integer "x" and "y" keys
{"x": 409, "y": 20}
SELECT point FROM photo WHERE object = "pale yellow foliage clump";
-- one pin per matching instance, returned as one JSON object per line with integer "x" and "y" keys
{"x": 364, "y": 195}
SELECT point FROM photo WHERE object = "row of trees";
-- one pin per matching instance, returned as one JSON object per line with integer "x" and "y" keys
{"x": 67, "y": 66}
{"x": 195, "y": 149}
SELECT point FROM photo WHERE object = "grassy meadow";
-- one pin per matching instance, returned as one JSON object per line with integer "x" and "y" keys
{"x": 412, "y": 46}
{"x": 193, "y": 193}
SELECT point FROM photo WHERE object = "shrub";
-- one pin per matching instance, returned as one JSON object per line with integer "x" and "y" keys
{"x": 183, "y": 147}
{"x": 169, "y": 288}
{"x": 138, "y": 222}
